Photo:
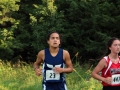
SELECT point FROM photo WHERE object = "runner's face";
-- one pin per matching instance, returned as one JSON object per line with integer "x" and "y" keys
{"x": 54, "y": 40}
{"x": 115, "y": 47}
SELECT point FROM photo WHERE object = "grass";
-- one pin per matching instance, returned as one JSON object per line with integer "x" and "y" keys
{"x": 22, "y": 77}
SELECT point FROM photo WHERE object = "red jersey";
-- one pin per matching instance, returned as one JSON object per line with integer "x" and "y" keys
{"x": 112, "y": 70}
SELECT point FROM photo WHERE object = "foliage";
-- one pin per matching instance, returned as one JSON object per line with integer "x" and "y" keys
{"x": 8, "y": 24}
{"x": 85, "y": 26}
{"x": 91, "y": 24}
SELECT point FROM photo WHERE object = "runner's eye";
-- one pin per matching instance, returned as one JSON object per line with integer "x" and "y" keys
{"x": 57, "y": 38}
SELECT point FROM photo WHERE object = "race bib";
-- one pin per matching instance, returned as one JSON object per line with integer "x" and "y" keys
{"x": 115, "y": 79}
{"x": 51, "y": 75}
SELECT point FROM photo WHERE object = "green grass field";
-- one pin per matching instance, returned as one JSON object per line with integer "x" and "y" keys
{"x": 22, "y": 77}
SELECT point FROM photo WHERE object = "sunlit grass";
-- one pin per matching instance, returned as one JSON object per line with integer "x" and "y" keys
{"x": 21, "y": 76}
{"x": 81, "y": 79}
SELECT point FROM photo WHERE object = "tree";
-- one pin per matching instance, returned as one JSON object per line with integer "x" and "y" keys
{"x": 7, "y": 26}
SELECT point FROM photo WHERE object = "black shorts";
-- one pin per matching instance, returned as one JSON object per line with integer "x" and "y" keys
{"x": 54, "y": 86}
{"x": 111, "y": 87}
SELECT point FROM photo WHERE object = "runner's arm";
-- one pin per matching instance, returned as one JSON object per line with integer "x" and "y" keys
{"x": 68, "y": 62}
{"x": 102, "y": 64}
{"x": 39, "y": 59}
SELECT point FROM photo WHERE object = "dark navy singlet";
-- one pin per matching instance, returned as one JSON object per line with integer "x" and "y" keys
{"x": 49, "y": 63}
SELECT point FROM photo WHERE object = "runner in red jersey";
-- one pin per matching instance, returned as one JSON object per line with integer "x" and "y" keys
{"x": 109, "y": 66}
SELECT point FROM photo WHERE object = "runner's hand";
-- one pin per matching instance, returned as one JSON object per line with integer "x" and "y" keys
{"x": 38, "y": 71}
{"x": 108, "y": 80}
{"x": 58, "y": 70}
